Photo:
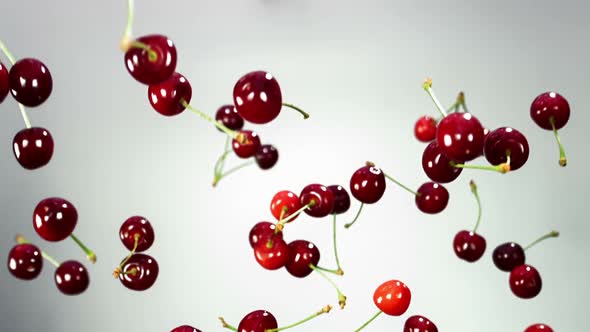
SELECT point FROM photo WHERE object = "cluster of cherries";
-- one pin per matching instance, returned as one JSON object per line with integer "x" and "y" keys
{"x": 137, "y": 271}
{"x": 30, "y": 83}
{"x": 54, "y": 220}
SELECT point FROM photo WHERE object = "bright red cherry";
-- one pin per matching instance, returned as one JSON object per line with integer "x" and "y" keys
{"x": 137, "y": 226}
{"x": 262, "y": 232}
{"x": 140, "y": 272}
{"x": 257, "y": 97}
{"x": 273, "y": 256}
{"x": 4, "y": 82}
{"x": 539, "y": 328}
{"x": 437, "y": 166}
{"x": 392, "y": 297}
{"x": 322, "y": 198}
{"x": 25, "y": 261}
{"x": 547, "y": 106}
{"x": 154, "y": 64}
{"x": 30, "y": 82}
{"x": 266, "y": 156}
{"x": 469, "y": 246}
{"x": 432, "y": 198}
{"x": 508, "y": 255}
{"x": 460, "y": 136}
{"x": 504, "y": 142}
{"x": 249, "y": 145}
{"x": 166, "y": 96}
{"x": 71, "y": 278}
{"x": 302, "y": 254}
{"x": 341, "y": 199}
{"x": 367, "y": 184}
{"x": 229, "y": 117}
{"x": 33, "y": 147}
{"x": 55, "y": 218}
{"x": 418, "y": 323}
{"x": 425, "y": 129}
{"x": 525, "y": 281}
{"x": 257, "y": 321}
{"x": 185, "y": 328}
{"x": 283, "y": 204}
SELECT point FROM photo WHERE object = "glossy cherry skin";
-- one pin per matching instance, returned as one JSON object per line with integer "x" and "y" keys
{"x": 185, "y": 328}
{"x": 25, "y": 261}
{"x": 392, "y": 297}
{"x": 272, "y": 258}
{"x": 55, "y": 218}
{"x": 418, "y": 323}
{"x": 257, "y": 321}
{"x": 149, "y": 71}
{"x": 145, "y": 274}
{"x": 250, "y": 145}
{"x": 508, "y": 255}
{"x": 30, "y": 82}
{"x": 525, "y": 281}
{"x": 322, "y": 197}
{"x": 425, "y": 129}
{"x": 432, "y": 198}
{"x": 266, "y": 156}
{"x": 71, "y": 278}
{"x": 367, "y": 184}
{"x": 165, "y": 97}
{"x": 539, "y": 328}
{"x": 229, "y": 117}
{"x": 4, "y": 82}
{"x": 469, "y": 246}
{"x": 140, "y": 226}
{"x": 460, "y": 136}
{"x": 341, "y": 199}
{"x": 506, "y": 141}
{"x": 550, "y": 105}
{"x": 301, "y": 254}
{"x": 286, "y": 201}
{"x": 33, "y": 147}
{"x": 262, "y": 232}
{"x": 437, "y": 166}
{"x": 257, "y": 97}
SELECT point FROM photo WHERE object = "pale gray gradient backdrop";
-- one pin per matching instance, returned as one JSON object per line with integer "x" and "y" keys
{"x": 357, "y": 67}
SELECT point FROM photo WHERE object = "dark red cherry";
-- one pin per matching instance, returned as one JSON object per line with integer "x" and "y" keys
{"x": 258, "y": 321}
{"x": 139, "y": 272}
{"x": 367, "y": 184}
{"x": 341, "y": 199}
{"x": 33, "y": 147}
{"x": 4, "y": 82}
{"x": 550, "y": 105}
{"x": 469, "y": 246}
{"x": 286, "y": 201}
{"x": 508, "y": 255}
{"x": 54, "y": 219}
{"x": 539, "y": 328}
{"x": 185, "y": 328}
{"x": 141, "y": 227}
{"x": 229, "y": 117}
{"x": 145, "y": 68}
{"x": 272, "y": 257}
{"x": 301, "y": 254}
{"x": 71, "y": 278}
{"x": 266, "y": 156}
{"x": 437, "y": 166}
{"x": 249, "y": 145}
{"x": 323, "y": 200}
{"x": 460, "y": 136}
{"x": 262, "y": 232}
{"x": 257, "y": 97}
{"x": 418, "y": 323}
{"x": 25, "y": 261}
{"x": 525, "y": 281}
{"x": 506, "y": 141}
{"x": 432, "y": 198}
{"x": 166, "y": 96}
{"x": 30, "y": 82}
{"x": 425, "y": 129}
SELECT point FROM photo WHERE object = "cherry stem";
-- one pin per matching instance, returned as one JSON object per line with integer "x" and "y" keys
{"x": 562, "y": 158}
{"x": 369, "y": 321}
{"x": 473, "y": 187}
{"x": 282, "y": 222}
{"x": 220, "y": 163}
{"x": 226, "y": 325}
{"x": 12, "y": 60}
{"x": 358, "y": 213}
{"x": 322, "y": 311}
{"x": 221, "y": 176}
{"x": 401, "y": 185}
{"x": 502, "y": 168}
{"x": 305, "y": 114}
{"x": 89, "y": 253}
{"x": 542, "y": 238}
{"x": 341, "y": 297}
{"x": 339, "y": 271}
{"x": 461, "y": 101}
{"x": 119, "y": 268}
{"x": 7, "y": 53}
{"x": 428, "y": 87}
{"x": 232, "y": 134}
{"x": 152, "y": 55}
{"x": 132, "y": 271}
{"x": 336, "y": 272}
{"x": 20, "y": 239}
{"x": 126, "y": 40}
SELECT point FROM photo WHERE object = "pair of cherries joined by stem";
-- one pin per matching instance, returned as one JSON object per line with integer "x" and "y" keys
{"x": 264, "y": 321}
{"x": 137, "y": 271}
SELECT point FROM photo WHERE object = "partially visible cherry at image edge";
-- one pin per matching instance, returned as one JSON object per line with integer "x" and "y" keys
{"x": 263, "y": 321}
{"x": 185, "y": 328}
{"x": 418, "y": 323}
{"x": 539, "y": 328}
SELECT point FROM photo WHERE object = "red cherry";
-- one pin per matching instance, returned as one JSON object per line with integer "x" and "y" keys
{"x": 418, "y": 323}
{"x": 185, "y": 328}
{"x": 432, "y": 198}
{"x": 257, "y": 321}
{"x": 33, "y": 147}
{"x": 341, "y": 199}
{"x": 460, "y": 136}
{"x": 392, "y": 297}
{"x": 272, "y": 257}
{"x": 71, "y": 278}
{"x": 166, "y": 97}
{"x": 367, "y": 184}
{"x": 322, "y": 198}
{"x": 25, "y": 261}
{"x": 30, "y": 82}
{"x": 4, "y": 82}
{"x": 55, "y": 218}
{"x": 469, "y": 246}
{"x": 230, "y": 118}
{"x": 550, "y": 105}
{"x": 287, "y": 201}
{"x": 539, "y": 328}
{"x": 425, "y": 129}
{"x": 257, "y": 97}
{"x": 302, "y": 254}
{"x": 266, "y": 156}
{"x": 249, "y": 145}
{"x": 262, "y": 232}
{"x": 139, "y": 226}
{"x": 504, "y": 142}
{"x": 140, "y": 272}
{"x": 145, "y": 68}
{"x": 437, "y": 166}
{"x": 525, "y": 281}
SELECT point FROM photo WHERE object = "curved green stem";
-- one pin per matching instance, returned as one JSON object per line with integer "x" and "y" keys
{"x": 428, "y": 88}
{"x": 401, "y": 185}
{"x": 562, "y": 157}
{"x": 473, "y": 187}
{"x": 336, "y": 272}
{"x": 21, "y": 240}
{"x": 221, "y": 176}
{"x": 89, "y": 253}
{"x": 324, "y": 310}
{"x": 542, "y": 238}
{"x": 369, "y": 321}
{"x": 339, "y": 270}
{"x": 341, "y": 297}
{"x": 305, "y": 114}
{"x": 119, "y": 268}
{"x": 358, "y": 213}
{"x": 232, "y": 134}
{"x": 6, "y": 52}
{"x": 501, "y": 168}
{"x": 226, "y": 325}
{"x": 292, "y": 216}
